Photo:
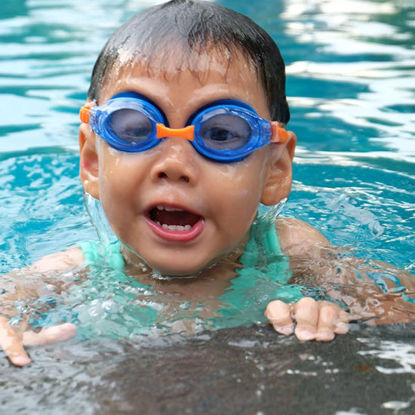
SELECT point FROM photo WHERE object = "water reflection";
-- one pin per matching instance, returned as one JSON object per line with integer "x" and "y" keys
{"x": 12, "y": 9}
{"x": 355, "y": 61}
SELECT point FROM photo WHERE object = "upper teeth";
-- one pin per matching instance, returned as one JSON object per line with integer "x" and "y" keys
{"x": 168, "y": 208}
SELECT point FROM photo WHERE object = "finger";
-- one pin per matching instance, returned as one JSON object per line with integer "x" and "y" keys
{"x": 342, "y": 325}
{"x": 341, "y": 328}
{"x": 344, "y": 316}
{"x": 49, "y": 335}
{"x": 12, "y": 345}
{"x": 279, "y": 315}
{"x": 327, "y": 321}
{"x": 306, "y": 314}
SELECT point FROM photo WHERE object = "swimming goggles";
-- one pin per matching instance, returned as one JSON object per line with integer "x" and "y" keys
{"x": 223, "y": 131}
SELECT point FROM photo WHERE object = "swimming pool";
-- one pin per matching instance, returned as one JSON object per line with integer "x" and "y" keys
{"x": 351, "y": 91}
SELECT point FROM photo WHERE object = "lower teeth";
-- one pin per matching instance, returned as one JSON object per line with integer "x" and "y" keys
{"x": 176, "y": 228}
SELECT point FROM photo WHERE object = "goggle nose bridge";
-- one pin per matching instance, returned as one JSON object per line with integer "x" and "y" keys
{"x": 187, "y": 132}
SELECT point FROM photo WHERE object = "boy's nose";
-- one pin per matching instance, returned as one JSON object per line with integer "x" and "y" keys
{"x": 175, "y": 161}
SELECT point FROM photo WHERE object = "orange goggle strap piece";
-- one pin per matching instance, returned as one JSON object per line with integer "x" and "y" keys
{"x": 84, "y": 112}
{"x": 279, "y": 134}
{"x": 187, "y": 132}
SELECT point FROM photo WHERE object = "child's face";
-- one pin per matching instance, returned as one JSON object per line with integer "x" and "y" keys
{"x": 137, "y": 190}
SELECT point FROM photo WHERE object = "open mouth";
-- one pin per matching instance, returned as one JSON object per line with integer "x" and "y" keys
{"x": 174, "y": 223}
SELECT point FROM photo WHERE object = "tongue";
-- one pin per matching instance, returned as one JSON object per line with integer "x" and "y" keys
{"x": 182, "y": 218}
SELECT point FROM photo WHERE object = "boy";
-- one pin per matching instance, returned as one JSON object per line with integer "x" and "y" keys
{"x": 177, "y": 144}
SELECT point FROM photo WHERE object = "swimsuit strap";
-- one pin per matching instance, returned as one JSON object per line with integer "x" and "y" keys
{"x": 263, "y": 278}
{"x": 263, "y": 255}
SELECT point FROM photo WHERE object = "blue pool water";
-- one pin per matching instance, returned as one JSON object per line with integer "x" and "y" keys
{"x": 351, "y": 90}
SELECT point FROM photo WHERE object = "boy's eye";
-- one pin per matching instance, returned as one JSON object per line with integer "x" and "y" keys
{"x": 130, "y": 125}
{"x": 225, "y": 132}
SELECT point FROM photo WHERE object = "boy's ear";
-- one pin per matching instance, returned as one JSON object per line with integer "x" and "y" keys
{"x": 88, "y": 166}
{"x": 277, "y": 185}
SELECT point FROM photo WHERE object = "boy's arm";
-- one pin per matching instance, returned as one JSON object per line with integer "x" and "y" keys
{"x": 315, "y": 262}
{"x": 11, "y": 340}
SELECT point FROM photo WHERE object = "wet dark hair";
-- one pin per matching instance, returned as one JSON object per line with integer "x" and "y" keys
{"x": 194, "y": 26}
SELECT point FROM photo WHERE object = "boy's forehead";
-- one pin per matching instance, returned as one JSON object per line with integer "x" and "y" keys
{"x": 175, "y": 66}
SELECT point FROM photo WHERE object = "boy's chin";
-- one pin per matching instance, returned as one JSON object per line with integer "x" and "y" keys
{"x": 175, "y": 267}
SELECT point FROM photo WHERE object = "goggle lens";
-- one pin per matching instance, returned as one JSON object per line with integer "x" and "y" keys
{"x": 225, "y": 132}
{"x": 131, "y": 126}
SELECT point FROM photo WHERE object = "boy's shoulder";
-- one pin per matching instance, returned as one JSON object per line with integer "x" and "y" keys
{"x": 297, "y": 237}
{"x": 59, "y": 261}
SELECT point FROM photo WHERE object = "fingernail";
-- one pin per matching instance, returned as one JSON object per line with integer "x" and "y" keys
{"x": 325, "y": 335}
{"x": 342, "y": 328}
{"x": 21, "y": 360}
{"x": 305, "y": 334}
{"x": 286, "y": 330}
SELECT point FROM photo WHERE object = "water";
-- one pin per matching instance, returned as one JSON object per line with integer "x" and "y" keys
{"x": 351, "y": 88}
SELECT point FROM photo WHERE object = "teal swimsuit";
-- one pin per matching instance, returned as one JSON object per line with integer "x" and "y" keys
{"x": 263, "y": 278}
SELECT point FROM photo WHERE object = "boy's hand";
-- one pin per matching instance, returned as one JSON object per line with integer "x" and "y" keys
{"x": 13, "y": 344}
{"x": 315, "y": 320}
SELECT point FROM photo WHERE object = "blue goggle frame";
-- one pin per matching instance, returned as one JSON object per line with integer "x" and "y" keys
{"x": 262, "y": 132}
